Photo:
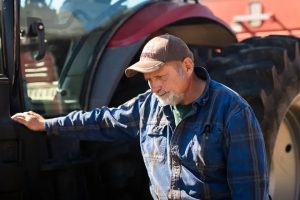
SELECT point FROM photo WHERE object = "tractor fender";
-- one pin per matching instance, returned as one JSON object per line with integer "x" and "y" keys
{"x": 157, "y": 15}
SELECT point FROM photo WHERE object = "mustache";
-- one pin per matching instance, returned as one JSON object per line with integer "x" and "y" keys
{"x": 161, "y": 92}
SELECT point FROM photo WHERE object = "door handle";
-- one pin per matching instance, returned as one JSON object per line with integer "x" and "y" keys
{"x": 37, "y": 29}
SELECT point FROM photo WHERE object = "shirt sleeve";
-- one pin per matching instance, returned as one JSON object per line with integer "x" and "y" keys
{"x": 247, "y": 168}
{"x": 103, "y": 124}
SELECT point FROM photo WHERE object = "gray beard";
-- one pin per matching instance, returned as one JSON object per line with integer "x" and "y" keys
{"x": 171, "y": 99}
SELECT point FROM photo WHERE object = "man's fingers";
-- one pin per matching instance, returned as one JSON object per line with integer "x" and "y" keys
{"x": 17, "y": 115}
{"x": 14, "y": 116}
{"x": 34, "y": 114}
{"x": 19, "y": 118}
{"x": 23, "y": 118}
{"x": 25, "y": 114}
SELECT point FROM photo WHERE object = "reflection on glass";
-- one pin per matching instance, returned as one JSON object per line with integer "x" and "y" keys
{"x": 73, "y": 29}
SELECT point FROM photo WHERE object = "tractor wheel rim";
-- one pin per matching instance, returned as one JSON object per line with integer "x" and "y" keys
{"x": 284, "y": 169}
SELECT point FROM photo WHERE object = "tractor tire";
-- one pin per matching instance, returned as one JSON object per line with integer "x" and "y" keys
{"x": 266, "y": 72}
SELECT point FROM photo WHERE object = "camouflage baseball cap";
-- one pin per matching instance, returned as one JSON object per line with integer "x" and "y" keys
{"x": 157, "y": 52}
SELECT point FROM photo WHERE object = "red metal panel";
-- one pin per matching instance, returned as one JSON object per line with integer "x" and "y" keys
{"x": 155, "y": 16}
{"x": 285, "y": 16}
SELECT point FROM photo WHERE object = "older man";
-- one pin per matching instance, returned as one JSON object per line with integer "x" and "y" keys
{"x": 199, "y": 139}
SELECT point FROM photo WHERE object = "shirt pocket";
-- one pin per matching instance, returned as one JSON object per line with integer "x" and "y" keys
{"x": 154, "y": 144}
{"x": 209, "y": 151}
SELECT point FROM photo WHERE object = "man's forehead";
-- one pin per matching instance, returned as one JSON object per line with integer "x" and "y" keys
{"x": 156, "y": 72}
{"x": 151, "y": 74}
{"x": 164, "y": 68}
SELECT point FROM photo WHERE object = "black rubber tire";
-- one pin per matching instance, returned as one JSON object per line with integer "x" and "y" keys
{"x": 266, "y": 72}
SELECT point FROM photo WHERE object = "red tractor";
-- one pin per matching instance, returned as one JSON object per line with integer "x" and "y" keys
{"x": 58, "y": 56}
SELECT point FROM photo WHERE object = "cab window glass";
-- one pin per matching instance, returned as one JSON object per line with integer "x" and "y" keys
{"x": 59, "y": 40}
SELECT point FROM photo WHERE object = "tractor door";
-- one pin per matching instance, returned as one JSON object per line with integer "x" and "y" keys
{"x": 12, "y": 172}
{"x": 49, "y": 49}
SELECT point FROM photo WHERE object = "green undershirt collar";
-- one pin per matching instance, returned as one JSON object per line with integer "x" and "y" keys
{"x": 180, "y": 111}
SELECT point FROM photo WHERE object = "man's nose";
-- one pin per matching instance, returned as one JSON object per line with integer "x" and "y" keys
{"x": 155, "y": 86}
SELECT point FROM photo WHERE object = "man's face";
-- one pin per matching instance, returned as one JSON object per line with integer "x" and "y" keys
{"x": 169, "y": 83}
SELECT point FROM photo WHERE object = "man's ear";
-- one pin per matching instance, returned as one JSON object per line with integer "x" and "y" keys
{"x": 188, "y": 65}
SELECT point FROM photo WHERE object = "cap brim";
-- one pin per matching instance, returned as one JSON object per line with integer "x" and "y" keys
{"x": 143, "y": 67}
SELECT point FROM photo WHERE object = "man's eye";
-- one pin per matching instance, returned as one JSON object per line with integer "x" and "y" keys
{"x": 161, "y": 77}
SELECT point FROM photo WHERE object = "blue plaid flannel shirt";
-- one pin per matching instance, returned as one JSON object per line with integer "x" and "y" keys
{"x": 216, "y": 152}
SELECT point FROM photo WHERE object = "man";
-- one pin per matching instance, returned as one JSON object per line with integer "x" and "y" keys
{"x": 199, "y": 139}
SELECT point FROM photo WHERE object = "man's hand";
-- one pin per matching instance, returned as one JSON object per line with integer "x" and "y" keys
{"x": 31, "y": 120}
